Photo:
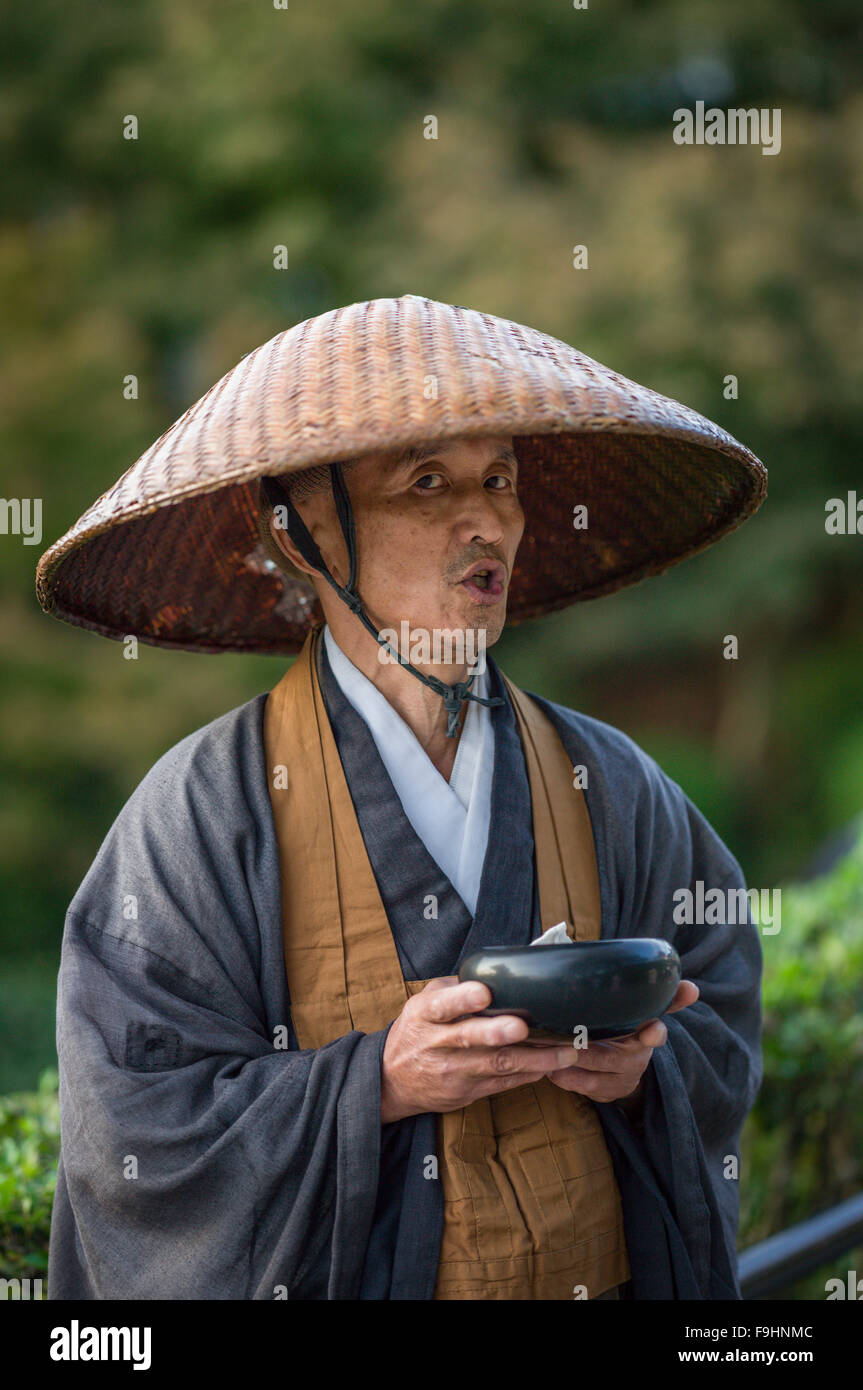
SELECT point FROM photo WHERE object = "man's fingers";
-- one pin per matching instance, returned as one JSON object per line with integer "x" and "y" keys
{"x": 653, "y": 1034}
{"x": 615, "y": 1057}
{"x": 442, "y": 1001}
{"x": 501, "y": 1031}
{"x": 503, "y": 1083}
{"x": 509, "y": 1083}
{"x": 686, "y": 993}
{"x": 502, "y": 1061}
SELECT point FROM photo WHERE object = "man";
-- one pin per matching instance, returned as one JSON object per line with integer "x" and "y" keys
{"x": 272, "y": 1083}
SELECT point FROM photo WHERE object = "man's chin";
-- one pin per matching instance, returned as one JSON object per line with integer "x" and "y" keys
{"x": 487, "y": 625}
{"x": 492, "y": 628}
{"x": 455, "y": 639}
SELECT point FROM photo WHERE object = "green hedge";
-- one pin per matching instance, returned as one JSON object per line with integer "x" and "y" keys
{"x": 29, "y": 1144}
{"x": 802, "y": 1145}
{"x": 802, "y": 1149}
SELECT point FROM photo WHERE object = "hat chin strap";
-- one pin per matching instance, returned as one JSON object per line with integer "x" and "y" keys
{"x": 452, "y": 695}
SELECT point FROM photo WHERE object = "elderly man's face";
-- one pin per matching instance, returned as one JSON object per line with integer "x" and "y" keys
{"x": 427, "y": 520}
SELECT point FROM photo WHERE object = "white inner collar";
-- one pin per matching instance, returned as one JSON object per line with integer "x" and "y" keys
{"x": 451, "y": 818}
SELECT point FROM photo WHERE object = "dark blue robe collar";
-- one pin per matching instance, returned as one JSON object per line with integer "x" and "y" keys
{"x": 507, "y": 910}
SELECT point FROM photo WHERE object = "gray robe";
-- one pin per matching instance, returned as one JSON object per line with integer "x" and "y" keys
{"x": 201, "y": 1159}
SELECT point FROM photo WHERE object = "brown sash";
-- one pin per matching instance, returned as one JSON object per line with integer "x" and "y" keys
{"x": 531, "y": 1204}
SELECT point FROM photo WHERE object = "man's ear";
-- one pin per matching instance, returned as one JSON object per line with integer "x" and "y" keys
{"x": 287, "y": 547}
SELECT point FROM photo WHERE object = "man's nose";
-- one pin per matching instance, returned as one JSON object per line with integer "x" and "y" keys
{"x": 477, "y": 517}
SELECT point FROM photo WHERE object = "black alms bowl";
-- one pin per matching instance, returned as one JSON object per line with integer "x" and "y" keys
{"x": 609, "y": 987}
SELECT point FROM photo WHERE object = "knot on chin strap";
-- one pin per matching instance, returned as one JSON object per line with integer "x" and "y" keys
{"x": 452, "y": 695}
{"x": 354, "y": 602}
{"x": 452, "y": 702}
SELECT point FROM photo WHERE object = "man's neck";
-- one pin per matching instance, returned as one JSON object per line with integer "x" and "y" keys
{"x": 421, "y": 708}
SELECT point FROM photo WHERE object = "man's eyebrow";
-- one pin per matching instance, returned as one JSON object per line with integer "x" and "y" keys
{"x": 417, "y": 454}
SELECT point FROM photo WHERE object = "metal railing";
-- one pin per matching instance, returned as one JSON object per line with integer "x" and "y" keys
{"x": 781, "y": 1259}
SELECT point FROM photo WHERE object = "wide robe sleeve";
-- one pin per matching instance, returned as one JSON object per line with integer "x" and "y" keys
{"x": 681, "y": 1158}
{"x": 203, "y": 1156}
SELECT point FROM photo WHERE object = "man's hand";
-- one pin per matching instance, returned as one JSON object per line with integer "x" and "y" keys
{"x": 435, "y": 1059}
{"x": 613, "y": 1070}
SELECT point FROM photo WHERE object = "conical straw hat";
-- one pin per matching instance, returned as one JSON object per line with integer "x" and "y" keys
{"x": 171, "y": 553}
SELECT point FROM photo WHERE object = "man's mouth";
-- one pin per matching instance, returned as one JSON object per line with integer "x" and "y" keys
{"x": 485, "y": 581}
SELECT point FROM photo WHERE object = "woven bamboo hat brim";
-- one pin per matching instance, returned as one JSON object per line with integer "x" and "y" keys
{"x": 171, "y": 553}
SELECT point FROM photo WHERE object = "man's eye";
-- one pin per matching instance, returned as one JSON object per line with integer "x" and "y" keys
{"x": 424, "y": 479}
{"x": 500, "y": 478}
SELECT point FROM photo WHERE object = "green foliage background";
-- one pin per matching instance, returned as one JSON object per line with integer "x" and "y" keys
{"x": 303, "y": 127}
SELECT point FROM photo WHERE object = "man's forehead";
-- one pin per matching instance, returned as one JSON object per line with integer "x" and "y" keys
{"x": 500, "y": 450}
